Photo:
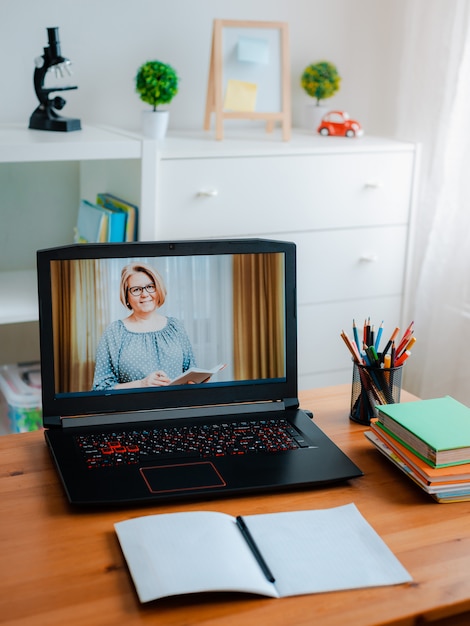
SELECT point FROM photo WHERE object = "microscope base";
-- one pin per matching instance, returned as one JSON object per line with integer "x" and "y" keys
{"x": 44, "y": 120}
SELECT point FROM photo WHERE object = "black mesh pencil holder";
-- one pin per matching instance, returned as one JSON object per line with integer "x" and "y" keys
{"x": 372, "y": 386}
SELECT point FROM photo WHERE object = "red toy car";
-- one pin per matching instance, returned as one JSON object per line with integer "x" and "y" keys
{"x": 338, "y": 123}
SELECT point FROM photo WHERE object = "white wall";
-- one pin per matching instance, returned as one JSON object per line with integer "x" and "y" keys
{"x": 107, "y": 40}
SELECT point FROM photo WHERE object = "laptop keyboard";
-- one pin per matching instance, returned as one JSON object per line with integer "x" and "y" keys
{"x": 233, "y": 438}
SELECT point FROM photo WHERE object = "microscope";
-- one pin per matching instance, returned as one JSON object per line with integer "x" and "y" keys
{"x": 45, "y": 117}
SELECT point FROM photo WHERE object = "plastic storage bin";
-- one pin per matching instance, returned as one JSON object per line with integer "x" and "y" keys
{"x": 21, "y": 387}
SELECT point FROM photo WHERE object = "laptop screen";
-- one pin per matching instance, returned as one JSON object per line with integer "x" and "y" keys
{"x": 156, "y": 325}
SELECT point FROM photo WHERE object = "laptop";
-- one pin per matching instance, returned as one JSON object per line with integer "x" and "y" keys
{"x": 169, "y": 371}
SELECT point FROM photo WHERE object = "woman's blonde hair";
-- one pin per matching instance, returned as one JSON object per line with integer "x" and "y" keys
{"x": 135, "y": 268}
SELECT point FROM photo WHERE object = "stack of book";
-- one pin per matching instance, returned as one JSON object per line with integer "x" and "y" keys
{"x": 428, "y": 440}
{"x": 110, "y": 219}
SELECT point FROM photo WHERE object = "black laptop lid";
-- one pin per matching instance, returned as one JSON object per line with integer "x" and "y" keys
{"x": 230, "y": 302}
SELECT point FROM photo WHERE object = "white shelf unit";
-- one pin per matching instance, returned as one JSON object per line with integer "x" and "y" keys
{"x": 56, "y": 169}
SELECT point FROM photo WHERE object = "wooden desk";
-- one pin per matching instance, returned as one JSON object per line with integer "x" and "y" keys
{"x": 62, "y": 567}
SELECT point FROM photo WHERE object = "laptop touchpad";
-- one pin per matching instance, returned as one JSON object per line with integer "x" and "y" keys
{"x": 182, "y": 477}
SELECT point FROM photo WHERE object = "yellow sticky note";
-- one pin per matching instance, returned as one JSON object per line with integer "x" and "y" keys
{"x": 240, "y": 96}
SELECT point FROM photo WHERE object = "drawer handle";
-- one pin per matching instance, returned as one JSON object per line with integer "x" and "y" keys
{"x": 207, "y": 193}
{"x": 368, "y": 258}
{"x": 373, "y": 184}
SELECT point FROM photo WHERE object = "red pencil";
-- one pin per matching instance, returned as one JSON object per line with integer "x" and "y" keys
{"x": 404, "y": 340}
{"x": 402, "y": 358}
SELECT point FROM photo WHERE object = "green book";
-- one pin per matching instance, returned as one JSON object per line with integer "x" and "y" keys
{"x": 438, "y": 430}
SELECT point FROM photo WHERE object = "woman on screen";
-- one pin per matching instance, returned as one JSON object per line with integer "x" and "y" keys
{"x": 146, "y": 349}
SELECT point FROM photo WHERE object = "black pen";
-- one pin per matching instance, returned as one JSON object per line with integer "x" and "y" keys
{"x": 389, "y": 342}
{"x": 254, "y": 548}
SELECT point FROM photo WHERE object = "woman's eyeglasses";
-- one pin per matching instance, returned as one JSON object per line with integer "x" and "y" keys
{"x": 136, "y": 291}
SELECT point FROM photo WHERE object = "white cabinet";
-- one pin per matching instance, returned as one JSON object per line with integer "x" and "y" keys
{"x": 346, "y": 203}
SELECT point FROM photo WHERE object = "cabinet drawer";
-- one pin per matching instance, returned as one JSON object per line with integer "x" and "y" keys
{"x": 243, "y": 196}
{"x": 350, "y": 264}
{"x": 320, "y": 347}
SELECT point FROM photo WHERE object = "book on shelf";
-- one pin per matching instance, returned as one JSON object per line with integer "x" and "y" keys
{"x": 275, "y": 554}
{"x": 131, "y": 211}
{"x": 437, "y": 430}
{"x": 455, "y": 489}
{"x": 99, "y": 224}
{"x": 197, "y": 375}
{"x": 92, "y": 224}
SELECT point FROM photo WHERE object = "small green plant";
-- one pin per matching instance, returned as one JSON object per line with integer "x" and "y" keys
{"x": 156, "y": 83}
{"x": 321, "y": 80}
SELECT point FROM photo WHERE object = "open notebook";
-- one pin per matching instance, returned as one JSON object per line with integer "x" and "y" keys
{"x": 120, "y": 322}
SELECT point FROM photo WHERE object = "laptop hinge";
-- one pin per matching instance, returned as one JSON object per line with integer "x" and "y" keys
{"x": 52, "y": 421}
{"x": 103, "y": 419}
{"x": 291, "y": 403}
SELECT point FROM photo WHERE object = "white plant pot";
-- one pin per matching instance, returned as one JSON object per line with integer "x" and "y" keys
{"x": 155, "y": 124}
{"x": 314, "y": 114}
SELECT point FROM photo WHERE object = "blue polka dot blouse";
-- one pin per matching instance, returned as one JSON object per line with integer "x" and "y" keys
{"x": 124, "y": 356}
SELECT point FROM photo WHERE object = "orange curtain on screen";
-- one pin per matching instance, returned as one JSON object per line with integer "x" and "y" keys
{"x": 258, "y": 293}
{"x": 76, "y": 304}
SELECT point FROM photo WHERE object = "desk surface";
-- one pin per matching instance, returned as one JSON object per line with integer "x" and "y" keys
{"x": 63, "y": 567}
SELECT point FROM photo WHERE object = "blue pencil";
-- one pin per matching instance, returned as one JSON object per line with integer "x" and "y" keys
{"x": 356, "y": 337}
{"x": 379, "y": 335}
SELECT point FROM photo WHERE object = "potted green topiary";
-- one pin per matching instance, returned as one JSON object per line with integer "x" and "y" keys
{"x": 157, "y": 84}
{"x": 320, "y": 81}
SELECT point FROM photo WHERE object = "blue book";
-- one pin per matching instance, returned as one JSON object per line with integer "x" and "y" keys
{"x": 92, "y": 224}
{"x": 116, "y": 224}
{"x": 118, "y": 204}
{"x": 98, "y": 224}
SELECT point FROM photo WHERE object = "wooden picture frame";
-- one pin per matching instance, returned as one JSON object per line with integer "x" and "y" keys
{"x": 249, "y": 62}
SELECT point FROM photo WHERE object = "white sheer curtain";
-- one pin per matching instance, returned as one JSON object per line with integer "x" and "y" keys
{"x": 200, "y": 295}
{"x": 434, "y": 109}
